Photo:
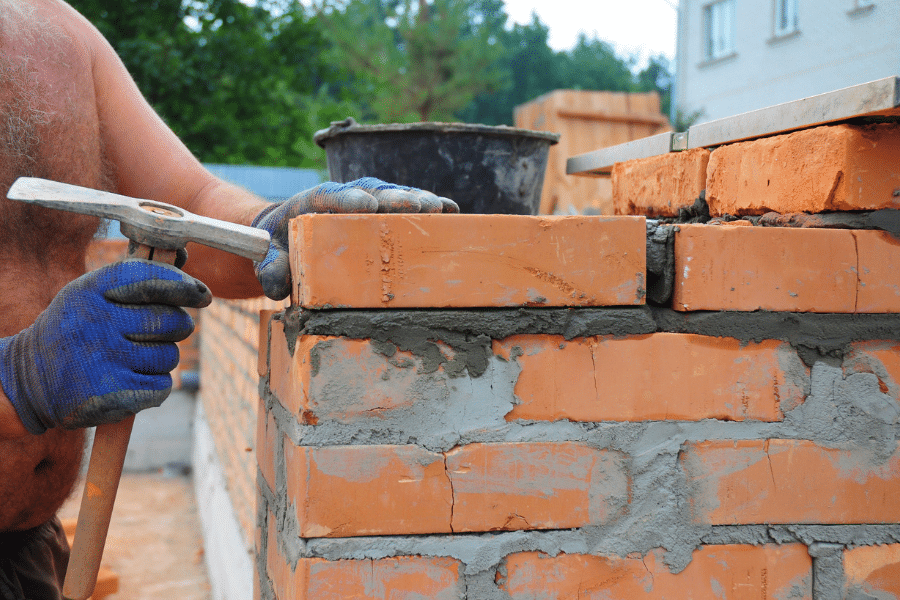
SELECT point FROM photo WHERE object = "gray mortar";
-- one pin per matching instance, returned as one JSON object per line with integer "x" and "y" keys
{"x": 816, "y": 337}
{"x": 408, "y": 327}
{"x": 885, "y": 220}
{"x": 828, "y": 571}
{"x": 464, "y": 400}
{"x": 660, "y": 262}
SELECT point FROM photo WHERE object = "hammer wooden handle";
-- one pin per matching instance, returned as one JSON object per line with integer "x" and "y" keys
{"x": 101, "y": 484}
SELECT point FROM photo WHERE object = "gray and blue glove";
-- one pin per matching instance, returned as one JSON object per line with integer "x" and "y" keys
{"x": 103, "y": 349}
{"x": 366, "y": 195}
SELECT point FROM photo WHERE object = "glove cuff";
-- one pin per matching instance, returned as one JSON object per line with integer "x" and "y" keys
{"x": 14, "y": 373}
{"x": 263, "y": 214}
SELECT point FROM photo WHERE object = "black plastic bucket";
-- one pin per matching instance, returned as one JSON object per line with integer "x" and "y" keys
{"x": 485, "y": 169}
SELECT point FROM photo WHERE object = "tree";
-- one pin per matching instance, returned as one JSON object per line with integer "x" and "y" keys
{"x": 237, "y": 83}
{"x": 657, "y": 77}
{"x": 422, "y": 60}
{"x": 534, "y": 68}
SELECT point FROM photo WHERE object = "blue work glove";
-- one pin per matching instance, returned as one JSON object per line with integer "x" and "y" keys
{"x": 104, "y": 347}
{"x": 366, "y": 195}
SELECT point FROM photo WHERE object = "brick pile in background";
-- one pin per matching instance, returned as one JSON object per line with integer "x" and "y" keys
{"x": 229, "y": 350}
{"x": 487, "y": 407}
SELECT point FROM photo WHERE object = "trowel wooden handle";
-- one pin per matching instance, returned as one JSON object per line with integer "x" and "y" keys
{"x": 101, "y": 484}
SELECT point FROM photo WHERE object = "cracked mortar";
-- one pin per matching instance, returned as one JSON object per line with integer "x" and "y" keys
{"x": 462, "y": 397}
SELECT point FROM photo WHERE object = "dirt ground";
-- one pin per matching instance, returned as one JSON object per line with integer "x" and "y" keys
{"x": 154, "y": 542}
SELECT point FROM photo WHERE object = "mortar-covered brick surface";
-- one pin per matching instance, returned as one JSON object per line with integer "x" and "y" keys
{"x": 662, "y": 376}
{"x": 660, "y": 185}
{"x": 790, "y": 481}
{"x": 593, "y": 452}
{"x": 656, "y": 377}
{"x": 732, "y": 571}
{"x": 229, "y": 392}
{"x": 833, "y": 168}
{"x": 786, "y": 269}
{"x": 343, "y": 491}
{"x": 872, "y": 571}
{"x": 409, "y": 261}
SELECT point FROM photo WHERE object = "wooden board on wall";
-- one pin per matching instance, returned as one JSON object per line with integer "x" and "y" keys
{"x": 587, "y": 120}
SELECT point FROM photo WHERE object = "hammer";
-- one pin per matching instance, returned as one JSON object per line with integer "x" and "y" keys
{"x": 156, "y": 231}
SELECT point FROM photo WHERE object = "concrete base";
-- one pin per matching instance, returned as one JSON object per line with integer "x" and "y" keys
{"x": 228, "y": 555}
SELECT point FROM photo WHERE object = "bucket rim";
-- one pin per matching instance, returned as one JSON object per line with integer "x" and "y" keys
{"x": 350, "y": 126}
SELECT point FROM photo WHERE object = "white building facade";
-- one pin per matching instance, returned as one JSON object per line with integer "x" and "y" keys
{"x": 740, "y": 55}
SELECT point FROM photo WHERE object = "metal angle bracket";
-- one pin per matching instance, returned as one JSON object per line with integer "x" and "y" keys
{"x": 875, "y": 98}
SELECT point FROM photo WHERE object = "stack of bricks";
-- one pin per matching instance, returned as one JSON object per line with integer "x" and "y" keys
{"x": 508, "y": 407}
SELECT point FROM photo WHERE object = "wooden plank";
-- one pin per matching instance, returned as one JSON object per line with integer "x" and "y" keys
{"x": 586, "y": 120}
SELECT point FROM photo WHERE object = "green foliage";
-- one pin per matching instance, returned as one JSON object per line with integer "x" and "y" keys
{"x": 534, "y": 69}
{"x": 251, "y": 84}
{"x": 416, "y": 59}
{"x": 238, "y": 84}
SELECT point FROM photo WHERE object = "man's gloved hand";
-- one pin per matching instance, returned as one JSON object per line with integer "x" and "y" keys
{"x": 104, "y": 347}
{"x": 366, "y": 195}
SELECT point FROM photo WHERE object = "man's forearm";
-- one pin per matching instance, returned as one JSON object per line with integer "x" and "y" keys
{"x": 228, "y": 275}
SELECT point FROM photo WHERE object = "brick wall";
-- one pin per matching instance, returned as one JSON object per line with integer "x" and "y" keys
{"x": 501, "y": 407}
{"x": 229, "y": 350}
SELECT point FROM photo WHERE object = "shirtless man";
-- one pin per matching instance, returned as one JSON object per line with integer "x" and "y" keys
{"x": 82, "y": 349}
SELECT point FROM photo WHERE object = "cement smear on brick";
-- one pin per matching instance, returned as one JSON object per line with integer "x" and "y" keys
{"x": 814, "y": 336}
{"x": 463, "y": 397}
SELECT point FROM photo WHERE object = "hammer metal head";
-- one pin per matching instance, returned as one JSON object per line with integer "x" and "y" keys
{"x": 148, "y": 222}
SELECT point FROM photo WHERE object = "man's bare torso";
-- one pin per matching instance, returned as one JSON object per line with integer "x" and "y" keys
{"x": 48, "y": 128}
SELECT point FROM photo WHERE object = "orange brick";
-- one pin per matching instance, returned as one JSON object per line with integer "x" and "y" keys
{"x": 834, "y": 168}
{"x": 768, "y": 268}
{"x": 728, "y": 572}
{"x": 789, "y": 481}
{"x": 400, "y": 578}
{"x": 288, "y": 375}
{"x": 444, "y": 261}
{"x": 662, "y": 376}
{"x": 343, "y": 491}
{"x": 535, "y": 486}
{"x": 660, "y": 185}
{"x": 266, "y": 438}
{"x": 879, "y": 263}
{"x": 263, "y": 342}
{"x": 873, "y": 570}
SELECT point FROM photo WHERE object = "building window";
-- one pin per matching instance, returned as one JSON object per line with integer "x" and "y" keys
{"x": 719, "y": 27}
{"x": 786, "y": 18}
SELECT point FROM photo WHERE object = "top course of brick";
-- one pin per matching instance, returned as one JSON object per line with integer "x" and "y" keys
{"x": 829, "y": 168}
{"x": 464, "y": 261}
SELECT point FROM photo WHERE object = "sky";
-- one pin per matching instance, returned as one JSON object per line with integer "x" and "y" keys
{"x": 640, "y": 28}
